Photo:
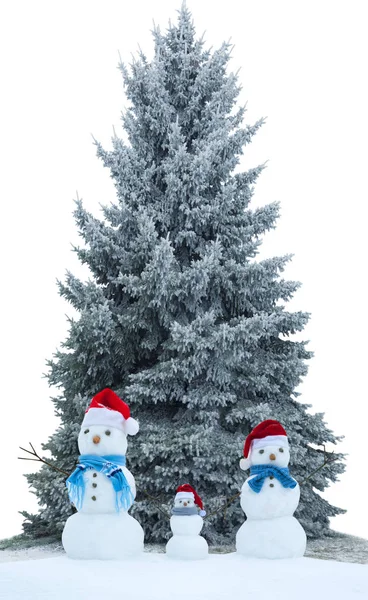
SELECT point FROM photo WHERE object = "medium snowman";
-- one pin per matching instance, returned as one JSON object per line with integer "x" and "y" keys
{"x": 186, "y": 524}
{"x": 269, "y": 497}
{"x": 101, "y": 487}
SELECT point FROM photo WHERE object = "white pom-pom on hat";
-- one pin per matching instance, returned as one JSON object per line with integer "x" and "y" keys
{"x": 244, "y": 464}
{"x": 131, "y": 426}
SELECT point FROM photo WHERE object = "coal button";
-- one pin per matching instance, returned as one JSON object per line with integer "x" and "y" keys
{"x": 271, "y": 484}
{"x": 94, "y": 484}
{"x": 94, "y": 474}
{"x": 94, "y": 498}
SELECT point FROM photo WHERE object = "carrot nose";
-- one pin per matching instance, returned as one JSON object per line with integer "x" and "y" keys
{"x": 96, "y": 439}
{"x": 272, "y": 456}
{"x": 185, "y": 503}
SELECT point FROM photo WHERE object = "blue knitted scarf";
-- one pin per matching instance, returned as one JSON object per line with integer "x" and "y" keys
{"x": 263, "y": 471}
{"x": 110, "y": 466}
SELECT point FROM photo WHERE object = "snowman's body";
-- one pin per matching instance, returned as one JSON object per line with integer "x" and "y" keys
{"x": 186, "y": 542}
{"x": 282, "y": 537}
{"x": 271, "y": 530}
{"x": 99, "y": 495}
{"x": 272, "y": 502}
{"x": 98, "y": 530}
{"x": 102, "y": 536}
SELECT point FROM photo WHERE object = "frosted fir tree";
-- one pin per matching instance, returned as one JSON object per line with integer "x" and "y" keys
{"x": 179, "y": 317}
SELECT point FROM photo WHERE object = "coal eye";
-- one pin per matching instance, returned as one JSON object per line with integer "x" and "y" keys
{"x": 86, "y": 431}
{"x": 108, "y": 432}
{"x": 281, "y": 449}
{"x": 261, "y": 451}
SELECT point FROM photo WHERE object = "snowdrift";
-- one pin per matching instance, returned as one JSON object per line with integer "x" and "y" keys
{"x": 157, "y": 577}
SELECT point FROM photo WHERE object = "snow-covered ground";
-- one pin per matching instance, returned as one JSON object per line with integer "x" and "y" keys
{"x": 154, "y": 576}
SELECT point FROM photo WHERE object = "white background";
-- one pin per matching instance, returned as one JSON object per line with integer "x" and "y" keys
{"x": 303, "y": 65}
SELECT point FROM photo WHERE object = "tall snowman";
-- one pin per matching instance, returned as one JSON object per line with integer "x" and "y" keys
{"x": 186, "y": 524}
{"x": 101, "y": 487}
{"x": 269, "y": 497}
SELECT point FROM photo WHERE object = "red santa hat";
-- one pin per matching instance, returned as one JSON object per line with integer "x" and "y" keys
{"x": 267, "y": 433}
{"x": 109, "y": 410}
{"x": 186, "y": 491}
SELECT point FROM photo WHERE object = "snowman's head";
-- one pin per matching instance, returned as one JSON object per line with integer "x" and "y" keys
{"x": 184, "y": 502}
{"x": 266, "y": 444}
{"x": 106, "y": 424}
{"x": 277, "y": 456}
{"x": 102, "y": 440}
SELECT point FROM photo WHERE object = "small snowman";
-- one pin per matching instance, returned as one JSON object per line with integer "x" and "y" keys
{"x": 269, "y": 497}
{"x": 101, "y": 487}
{"x": 186, "y": 524}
